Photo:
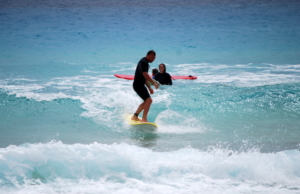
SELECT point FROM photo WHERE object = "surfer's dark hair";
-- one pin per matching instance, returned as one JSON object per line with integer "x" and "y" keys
{"x": 151, "y": 52}
{"x": 154, "y": 71}
{"x": 164, "y": 67}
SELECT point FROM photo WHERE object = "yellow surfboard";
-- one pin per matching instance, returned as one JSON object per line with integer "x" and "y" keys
{"x": 131, "y": 122}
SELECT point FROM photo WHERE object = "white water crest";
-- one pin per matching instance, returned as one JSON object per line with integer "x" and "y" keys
{"x": 56, "y": 167}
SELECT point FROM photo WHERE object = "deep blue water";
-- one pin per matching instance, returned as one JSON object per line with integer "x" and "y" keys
{"x": 235, "y": 129}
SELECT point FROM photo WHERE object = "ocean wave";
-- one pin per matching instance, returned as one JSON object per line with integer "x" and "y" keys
{"x": 58, "y": 167}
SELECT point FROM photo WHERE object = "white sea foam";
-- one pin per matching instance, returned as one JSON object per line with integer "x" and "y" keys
{"x": 43, "y": 97}
{"x": 247, "y": 78}
{"x": 24, "y": 79}
{"x": 240, "y": 74}
{"x": 27, "y": 87}
{"x": 104, "y": 99}
{"x": 121, "y": 168}
{"x": 180, "y": 124}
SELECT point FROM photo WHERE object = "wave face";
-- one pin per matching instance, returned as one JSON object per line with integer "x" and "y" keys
{"x": 121, "y": 168}
{"x": 235, "y": 129}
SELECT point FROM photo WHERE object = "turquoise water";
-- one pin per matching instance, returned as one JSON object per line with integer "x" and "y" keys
{"x": 233, "y": 130}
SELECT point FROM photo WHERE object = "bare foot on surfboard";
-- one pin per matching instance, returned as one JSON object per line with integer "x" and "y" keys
{"x": 135, "y": 118}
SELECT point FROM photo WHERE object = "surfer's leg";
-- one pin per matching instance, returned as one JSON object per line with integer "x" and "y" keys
{"x": 147, "y": 105}
{"x": 144, "y": 94}
{"x": 140, "y": 108}
{"x": 138, "y": 111}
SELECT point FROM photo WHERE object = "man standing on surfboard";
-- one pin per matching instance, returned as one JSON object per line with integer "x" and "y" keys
{"x": 141, "y": 79}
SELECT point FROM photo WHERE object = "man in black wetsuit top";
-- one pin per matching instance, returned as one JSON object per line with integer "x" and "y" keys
{"x": 141, "y": 79}
{"x": 163, "y": 77}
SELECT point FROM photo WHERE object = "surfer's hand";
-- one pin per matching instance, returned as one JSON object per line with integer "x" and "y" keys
{"x": 151, "y": 91}
{"x": 156, "y": 85}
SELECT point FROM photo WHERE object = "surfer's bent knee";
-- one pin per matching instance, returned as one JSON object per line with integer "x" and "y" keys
{"x": 149, "y": 99}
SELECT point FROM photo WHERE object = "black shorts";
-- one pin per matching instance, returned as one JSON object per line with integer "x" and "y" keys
{"x": 141, "y": 91}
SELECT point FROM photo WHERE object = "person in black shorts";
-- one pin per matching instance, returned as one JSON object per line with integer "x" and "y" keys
{"x": 141, "y": 79}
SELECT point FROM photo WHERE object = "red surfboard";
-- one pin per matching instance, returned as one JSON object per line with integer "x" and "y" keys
{"x": 131, "y": 77}
{"x": 183, "y": 77}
